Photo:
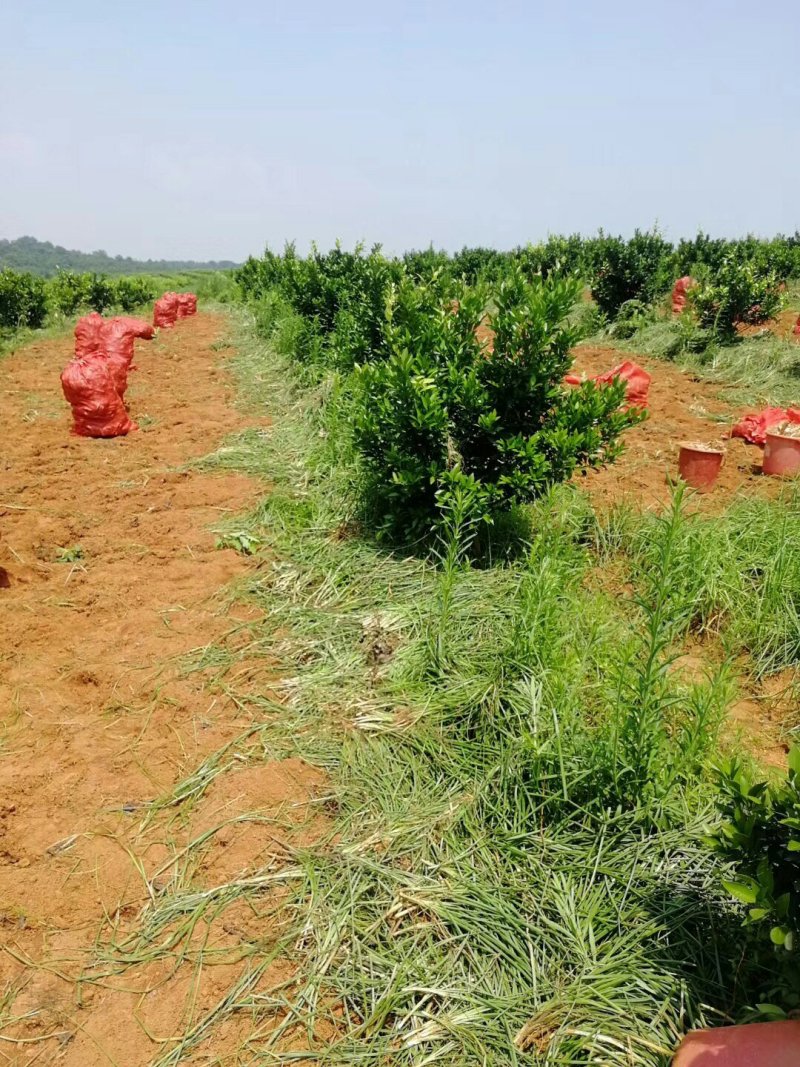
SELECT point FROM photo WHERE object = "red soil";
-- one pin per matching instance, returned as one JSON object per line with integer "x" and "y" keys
{"x": 680, "y": 408}
{"x": 98, "y": 716}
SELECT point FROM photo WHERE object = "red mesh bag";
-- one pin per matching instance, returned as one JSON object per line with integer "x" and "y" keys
{"x": 138, "y": 327}
{"x": 753, "y": 427}
{"x": 118, "y": 351}
{"x": 118, "y": 336}
{"x": 637, "y": 382}
{"x": 165, "y": 311}
{"x": 679, "y": 291}
{"x": 796, "y": 329}
{"x": 97, "y": 408}
{"x": 89, "y": 335}
{"x": 187, "y": 305}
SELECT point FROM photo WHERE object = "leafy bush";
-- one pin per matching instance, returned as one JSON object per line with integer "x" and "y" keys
{"x": 68, "y": 292}
{"x": 131, "y": 293}
{"x": 632, "y": 316}
{"x": 559, "y": 256}
{"x": 422, "y": 264}
{"x": 760, "y": 835}
{"x": 639, "y": 269}
{"x": 23, "y": 300}
{"x": 473, "y": 264}
{"x": 738, "y": 292}
{"x": 457, "y": 421}
{"x": 341, "y": 296}
{"x": 100, "y": 292}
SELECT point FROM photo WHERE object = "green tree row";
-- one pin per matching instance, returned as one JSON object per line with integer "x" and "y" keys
{"x": 46, "y": 259}
{"x": 27, "y": 300}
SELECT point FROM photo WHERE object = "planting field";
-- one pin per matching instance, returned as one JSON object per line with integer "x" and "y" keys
{"x": 347, "y": 720}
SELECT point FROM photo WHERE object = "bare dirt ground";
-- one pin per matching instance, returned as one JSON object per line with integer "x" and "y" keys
{"x": 109, "y": 571}
{"x": 680, "y": 408}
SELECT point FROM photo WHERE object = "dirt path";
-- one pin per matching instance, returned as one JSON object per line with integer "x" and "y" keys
{"x": 109, "y": 571}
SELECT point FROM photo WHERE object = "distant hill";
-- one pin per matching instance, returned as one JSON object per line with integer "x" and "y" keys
{"x": 42, "y": 257}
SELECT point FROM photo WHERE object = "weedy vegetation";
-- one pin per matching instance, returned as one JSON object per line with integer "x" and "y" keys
{"x": 524, "y": 861}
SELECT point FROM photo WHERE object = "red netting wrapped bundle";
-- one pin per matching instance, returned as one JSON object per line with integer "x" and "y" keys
{"x": 637, "y": 381}
{"x": 796, "y": 328}
{"x": 138, "y": 327}
{"x": 165, "y": 311}
{"x": 187, "y": 305}
{"x": 97, "y": 408}
{"x": 89, "y": 335}
{"x": 753, "y": 427}
{"x": 679, "y": 291}
{"x": 117, "y": 340}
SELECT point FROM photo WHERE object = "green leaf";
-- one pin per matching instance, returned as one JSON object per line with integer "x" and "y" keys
{"x": 757, "y": 913}
{"x": 748, "y": 894}
{"x": 772, "y": 1010}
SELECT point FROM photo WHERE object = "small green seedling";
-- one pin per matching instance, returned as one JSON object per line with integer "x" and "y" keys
{"x": 240, "y": 541}
{"x": 73, "y": 554}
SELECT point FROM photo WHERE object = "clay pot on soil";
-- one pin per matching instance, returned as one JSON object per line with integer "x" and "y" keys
{"x": 752, "y": 1045}
{"x": 700, "y": 464}
{"x": 782, "y": 450}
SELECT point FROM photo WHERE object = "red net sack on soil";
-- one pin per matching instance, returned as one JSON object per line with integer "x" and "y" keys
{"x": 796, "y": 329}
{"x": 165, "y": 311}
{"x": 679, "y": 291}
{"x": 753, "y": 427}
{"x": 89, "y": 335}
{"x": 187, "y": 305}
{"x": 637, "y": 381}
{"x": 97, "y": 408}
{"x": 138, "y": 327}
{"x": 118, "y": 338}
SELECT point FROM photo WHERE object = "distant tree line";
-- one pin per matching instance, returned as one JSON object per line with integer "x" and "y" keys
{"x": 46, "y": 259}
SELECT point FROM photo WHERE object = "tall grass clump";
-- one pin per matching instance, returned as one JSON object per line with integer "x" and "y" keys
{"x": 735, "y": 576}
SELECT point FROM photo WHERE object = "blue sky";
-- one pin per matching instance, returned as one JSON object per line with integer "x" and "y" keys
{"x": 205, "y": 130}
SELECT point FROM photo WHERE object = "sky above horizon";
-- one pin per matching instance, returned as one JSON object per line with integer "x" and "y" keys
{"x": 207, "y": 130}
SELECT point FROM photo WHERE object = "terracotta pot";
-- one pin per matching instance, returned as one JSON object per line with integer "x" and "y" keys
{"x": 699, "y": 465}
{"x": 753, "y": 1045}
{"x": 781, "y": 454}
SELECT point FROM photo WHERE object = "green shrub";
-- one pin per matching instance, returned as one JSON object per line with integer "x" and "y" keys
{"x": 422, "y": 264}
{"x": 100, "y": 292}
{"x": 68, "y": 292}
{"x": 447, "y": 423}
{"x": 760, "y": 835}
{"x": 559, "y": 256}
{"x": 341, "y": 296}
{"x": 23, "y": 300}
{"x": 738, "y": 292}
{"x": 638, "y": 269}
{"x": 473, "y": 264}
{"x": 131, "y": 293}
{"x": 632, "y": 316}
